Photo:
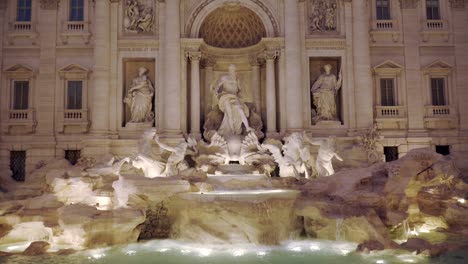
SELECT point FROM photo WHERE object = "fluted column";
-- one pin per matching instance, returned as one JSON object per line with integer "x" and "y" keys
{"x": 255, "y": 81}
{"x": 100, "y": 110}
{"x": 195, "y": 93}
{"x": 293, "y": 66}
{"x": 270, "y": 57}
{"x": 362, "y": 62}
{"x": 172, "y": 105}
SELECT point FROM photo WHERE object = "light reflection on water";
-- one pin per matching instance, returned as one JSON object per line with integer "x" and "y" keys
{"x": 172, "y": 252}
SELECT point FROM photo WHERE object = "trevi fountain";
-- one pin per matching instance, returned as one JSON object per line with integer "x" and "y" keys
{"x": 230, "y": 151}
{"x": 237, "y": 195}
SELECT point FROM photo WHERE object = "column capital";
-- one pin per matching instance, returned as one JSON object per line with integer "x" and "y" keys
{"x": 254, "y": 60}
{"x": 208, "y": 61}
{"x": 194, "y": 55}
{"x": 408, "y": 4}
{"x": 270, "y": 54}
{"x": 49, "y": 4}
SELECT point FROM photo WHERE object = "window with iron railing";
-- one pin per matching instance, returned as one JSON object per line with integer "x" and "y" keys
{"x": 18, "y": 165}
{"x": 72, "y": 156}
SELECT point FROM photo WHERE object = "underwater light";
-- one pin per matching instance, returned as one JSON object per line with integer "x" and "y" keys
{"x": 380, "y": 261}
{"x": 162, "y": 250}
{"x": 238, "y": 252}
{"x": 296, "y": 249}
{"x": 261, "y": 253}
{"x": 204, "y": 252}
{"x": 130, "y": 252}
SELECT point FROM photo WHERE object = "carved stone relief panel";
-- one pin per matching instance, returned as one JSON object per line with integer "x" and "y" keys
{"x": 322, "y": 15}
{"x": 407, "y": 4}
{"x": 49, "y": 4}
{"x": 458, "y": 3}
{"x": 139, "y": 16}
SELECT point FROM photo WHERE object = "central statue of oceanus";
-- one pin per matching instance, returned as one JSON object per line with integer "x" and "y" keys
{"x": 231, "y": 116}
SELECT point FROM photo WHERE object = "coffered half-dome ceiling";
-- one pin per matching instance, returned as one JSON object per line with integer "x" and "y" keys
{"x": 232, "y": 26}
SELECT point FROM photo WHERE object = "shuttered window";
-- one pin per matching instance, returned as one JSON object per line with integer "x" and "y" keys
{"x": 383, "y": 9}
{"x": 74, "y": 94}
{"x": 387, "y": 92}
{"x": 23, "y": 10}
{"x": 438, "y": 91}
{"x": 433, "y": 9}
{"x": 20, "y": 95}
{"x": 76, "y": 10}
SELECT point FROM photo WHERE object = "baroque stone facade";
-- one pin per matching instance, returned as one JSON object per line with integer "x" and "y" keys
{"x": 64, "y": 79}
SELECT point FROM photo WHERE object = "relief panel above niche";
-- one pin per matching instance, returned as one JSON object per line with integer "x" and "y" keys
{"x": 139, "y": 17}
{"x": 322, "y": 16}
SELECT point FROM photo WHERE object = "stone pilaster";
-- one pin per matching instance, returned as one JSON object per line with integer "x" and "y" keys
{"x": 361, "y": 56}
{"x": 172, "y": 93}
{"x": 115, "y": 99}
{"x": 270, "y": 57}
{"x": 294, "y": 106}
{"x": 100, "y": 106}
{"x": 195, "y": 93}
{"x": 414, "y": 84}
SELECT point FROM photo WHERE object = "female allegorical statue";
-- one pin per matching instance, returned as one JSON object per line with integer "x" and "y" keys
{"x": 140, "y": 98}
{"x": 324, "y": 92}
{"x": 235, "y": 111}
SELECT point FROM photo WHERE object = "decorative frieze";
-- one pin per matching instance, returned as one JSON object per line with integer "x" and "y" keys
{"x": 457, "y": 3}
{"x": 3, "y": 5}
{"x": 322, "y": 15}
{"x": 49, "y": 4}
{"x": 409, "y": 4}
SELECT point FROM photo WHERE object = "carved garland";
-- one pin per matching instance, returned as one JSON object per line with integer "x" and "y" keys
{"x": 207, "y": 2}
{"x": 49, "y": 4}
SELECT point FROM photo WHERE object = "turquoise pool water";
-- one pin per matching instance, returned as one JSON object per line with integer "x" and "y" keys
{"x": 172, "y": 252}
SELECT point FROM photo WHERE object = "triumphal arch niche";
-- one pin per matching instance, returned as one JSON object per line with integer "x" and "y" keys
{"x": 233, "y": 53}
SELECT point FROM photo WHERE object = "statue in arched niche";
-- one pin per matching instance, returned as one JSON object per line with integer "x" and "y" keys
{"x": 139, "y": 98}
{"x": 231, "y": 116}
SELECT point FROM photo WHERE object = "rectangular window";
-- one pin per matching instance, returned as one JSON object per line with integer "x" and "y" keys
{"x": 383, "y": 9}
{"x": 432, "y": 9}
{"x": 438, "y": 91}
{"x": 76, "y": 10}
{"x": 23, "y": 10}
{"x": 20, "y": 95}
{"x": 443, "y": 150}
{"x": 391, "y": 153}
{"x": 18, "y": 165}
{"x": 74, "y": 94}
{"x": 72, "y": 156}
{"x": 387, "y": 92}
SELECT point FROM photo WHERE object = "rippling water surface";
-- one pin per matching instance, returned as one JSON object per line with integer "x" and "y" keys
{"x": 172, "y": 252}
